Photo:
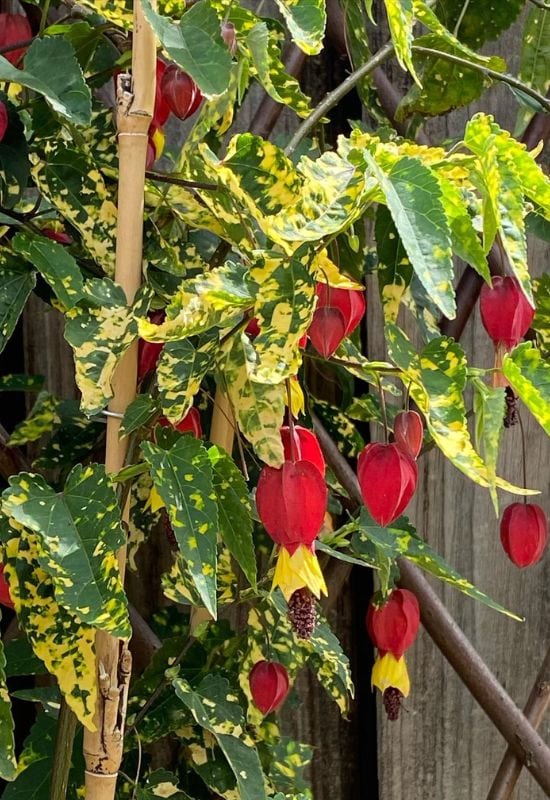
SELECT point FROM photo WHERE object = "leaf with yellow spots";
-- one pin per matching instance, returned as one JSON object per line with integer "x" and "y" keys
{"x": 306, "y": 20}
{"x": 234, "y": 511}
{"x": 142, "y": 519}
{"x": 529, "y": 376}
{"x": 16, "y": 283}
{"x": 489, "y": 409}
{"x": 161, "y": 784}
{"x": 56, "y": 266}
{"x": 43, "y": 417}
{"x": 99, "y": 335}
{"x": 34, "y": 770}
{"x": 180, "y": 371}
{"x": 177, "y": 584}
{"x": 182, "y": 475}
{"x": 8, "y": 763}
{"x": 394, "y": 268}
{"x": 259, "y": 407}
{"x": 58, "y": 638}
{"x": 285, "y": 301}
{"x": 78, "y": 534}
{"x": 401, "y": 22}
{"x": 215, "y": 708}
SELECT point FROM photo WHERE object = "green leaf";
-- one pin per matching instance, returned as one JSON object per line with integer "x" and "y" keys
{"x": 72, "y": 440}
{"x": 534, "y": 65}
{"x": 43, "y": 417}
{"x": 16, "y": 284}
{"x": 529, "y": 376}
{"x": 414, "y": 199}
{"x": 306, "y": 20}
{"x": 58, "y": 638}
{"x": 140, "y": 411}
{"x": 51, "y": 69}
{"x": 8, "y": 763}
{"x": 161, "y": 783}
{"x": 489, "y": 408}
{"x": 358, "y": 44}
{"x": 401, "y": 540}
{"x": 394, "y": 268}
{"x": 195, "y": 45}
{"x": 55, "y": 264}
{"x": 35, "y": 763}
{"x": 14, "y": 162}
{"x": 16, "y": 382}
{"x": 20, "y": 659}
{"x": 180, "y": 371}
{"x": 78, "y": 533}
{"x": 401, "y": 21}
{"x": 472, "y": 24}
{"x": 541, "y": 322}
{"x": 464, "y": 238}
{"x": 182, "y": 474}
{"x": 259, "y": 407}
{"x": 213, "y": 707}
{"x": 234, "y": 511}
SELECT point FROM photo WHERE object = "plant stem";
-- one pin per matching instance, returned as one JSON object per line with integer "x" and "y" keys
{"x": 334, "y": 97}
{"x": 523, "y": 455}
{"x": 62, "y": 758}
{"x": 503, "y": 77}
{"x": 383, "y": 408}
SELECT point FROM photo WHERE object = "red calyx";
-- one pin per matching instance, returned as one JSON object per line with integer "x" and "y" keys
{"x": 524, "y": 533}
{"x": 14, "y": 28}
{"x": 306, "y": 446}
{"x": 338, "y": 313}
{"x": 3, "y": 120}
{"x": 180, "y": 92}
{"x": 191, "y": 423}
{"x": 506, "y": 313}
{"x": 408, "y": 431}
{"x": 387, "y": 478}
{"x": 291, "y": 503}
{"x": 149, "y": 352}
{"x": 229, "y": 35}
{"x": 269, "y": 685}
{"x": 5, "y": 598}
{"x": 393, "y": 626}
{"x": 161, "y": 111}
{"x": 253, "y": 328}
{"x": 57, "y": 236}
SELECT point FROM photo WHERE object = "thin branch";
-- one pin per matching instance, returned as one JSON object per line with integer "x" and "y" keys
{"x": 503, "y": 77}
{"x": 541, "y": 4}
{"x": 535, "y": 709}
{"x": 67, "y": 724}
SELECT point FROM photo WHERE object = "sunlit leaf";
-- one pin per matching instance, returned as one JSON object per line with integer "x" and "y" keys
{"x": 529, "y": 376}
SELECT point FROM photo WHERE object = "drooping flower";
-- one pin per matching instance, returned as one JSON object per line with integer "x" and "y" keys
{"x": 298, "y": 570}
{"x": 393, "y": 625}
{"x": 190, "y": 423}
{"x": 408, "y": 431}
{"x": 387, "y": 478}
{"x": 506, "y": 313}
{"x": 149, "y": 352}
{"x": 524, "y": 533}
{"x": 338, "y": 313}
{"x": 303, "y": 446}
{"x": 180, "y": 92}
{"x": 390, "y": 675}
{"x": 269, "y": 685}
{"x": 14, "y": 28}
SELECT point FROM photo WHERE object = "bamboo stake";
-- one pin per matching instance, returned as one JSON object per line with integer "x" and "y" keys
{"x": 135, "y": 100}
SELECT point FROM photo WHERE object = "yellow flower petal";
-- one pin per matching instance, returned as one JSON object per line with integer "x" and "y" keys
{"x": 391, "y": 671}
{"x": 297, "y": 402}
{"x": 299, "y": 570}
{"x": 158, "y": 139}
{"x": 154, "y": 501}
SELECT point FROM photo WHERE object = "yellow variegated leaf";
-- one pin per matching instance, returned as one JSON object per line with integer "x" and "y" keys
{"x": 180, "y": 371}
{"x": 326, "y": 271}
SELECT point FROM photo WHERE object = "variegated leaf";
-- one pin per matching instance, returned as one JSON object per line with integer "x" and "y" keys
{"x": 234, "y": 511}
{"x": 182, "y": 475}
{"x": 401, "y": 21}
{"x": 78, "y": 535}
{"x": 35, "y": 763}
{"x": 541, "y": 322}
{"x": 534, "y": 66}
{"x": 139, "y": 413}
{"x": 489, "y": 408}
{"x": 284, "y": 308}
{"x": 59, "y": 639}
{"x": 529, "y": 376}
{"x": 99, "y": 337}
{"x": 180, "y": 371}
{"x": 43, "y": 417}
{"x": 306, "y": 20}
{"x": 394, "y": 267}
{"x": 178, "y": 584}
{"x": 488, "y": 179}
{"x": 142, "y": 518}
{"x": 55, "y": 264}
{"x": 472, "y": 24}
{"x": 214, "y": 707}
{"x": 16, "y": 283}
{"x": 161, "y": 783}
{"x": 8, "y": 764}
{"x": 259, "y": 407}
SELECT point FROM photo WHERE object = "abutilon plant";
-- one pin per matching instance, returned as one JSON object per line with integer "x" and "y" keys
{"x": 524, "y": 533}
{"x": 408, "y": 432}
{"x": 387, "y": 478}
{"x": 301, "y": 444}
{"x": 180, "y": 92}
{"x": 269, "y": 685}
{"x": 338, "y": 313}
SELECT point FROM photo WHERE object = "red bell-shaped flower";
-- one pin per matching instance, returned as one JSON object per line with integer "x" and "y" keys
{"x": 5, "y": 598}
{"x": 149, "y": 352}
{"x": 350, "y": 302}
{"x": 393, "y": 626}
{"x": 506, "y": 313}
{"x": 3, "y": 120}
{"x": 14, "y": 28}
{"x": 338, "y": 313}
{"x": 408, "y": 431}
{"x": 161, "y": 110}
{"x": 269, "y": 685}
{"x": 387, "y": 478}
{"x": 191, "y": 422}
{"x": 524, "y": 533}
{"x": 306, "y": 447}
{"x": 180, "y": 92}
{"x": 291, "y": 503}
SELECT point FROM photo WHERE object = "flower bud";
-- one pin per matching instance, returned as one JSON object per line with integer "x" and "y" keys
{"x": 306, "y": 447}
{"x": 387, "y": 478}
{"x": 291, "y": 503}
{"x": 506, "y": 313}
{"x": 408, "y": 431}
{"x": 14, "y": 28}
{"x": 191, "y": 423}
{"x": 180, "y": 92}
{"x": 524, "y": 533}
{"x": 5, "y": 598}
{"x": 57, "y": 236}
{"x": 393, "y": 626}
{"x": 269, "y": 685}
{"x": 229, "y": 35}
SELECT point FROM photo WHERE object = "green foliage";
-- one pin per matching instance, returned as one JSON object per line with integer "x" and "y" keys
{"x": 16, "y": 284}
{"x": 534, "y": 68}
{"x": 529, "y": 377}
{"x": 7, "y": 744}
{"x": 306, "y": 21}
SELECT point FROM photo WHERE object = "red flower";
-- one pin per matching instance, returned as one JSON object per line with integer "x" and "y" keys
{"x": 57, "y": 236}
{"x": 393, "y": 626}
{"x": 161, "y": 110}
{"x": 524, "y": 533}
{"x": 269, "y": 685}
{"x": 14, "y": 28}
{"x": 306, "y": 446}
{"x": 408, "y": 431}
{"x": 180, "y": 92}
{"x": 506, "y": 313}
{"x": 291, "y": 503}
{"x": 149, "y": 352}
{"x": 191, "y": 422}
{"x": 5, "y": 598}
{"x": 387, "y": 478}
{"x": 338, "y": 313}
